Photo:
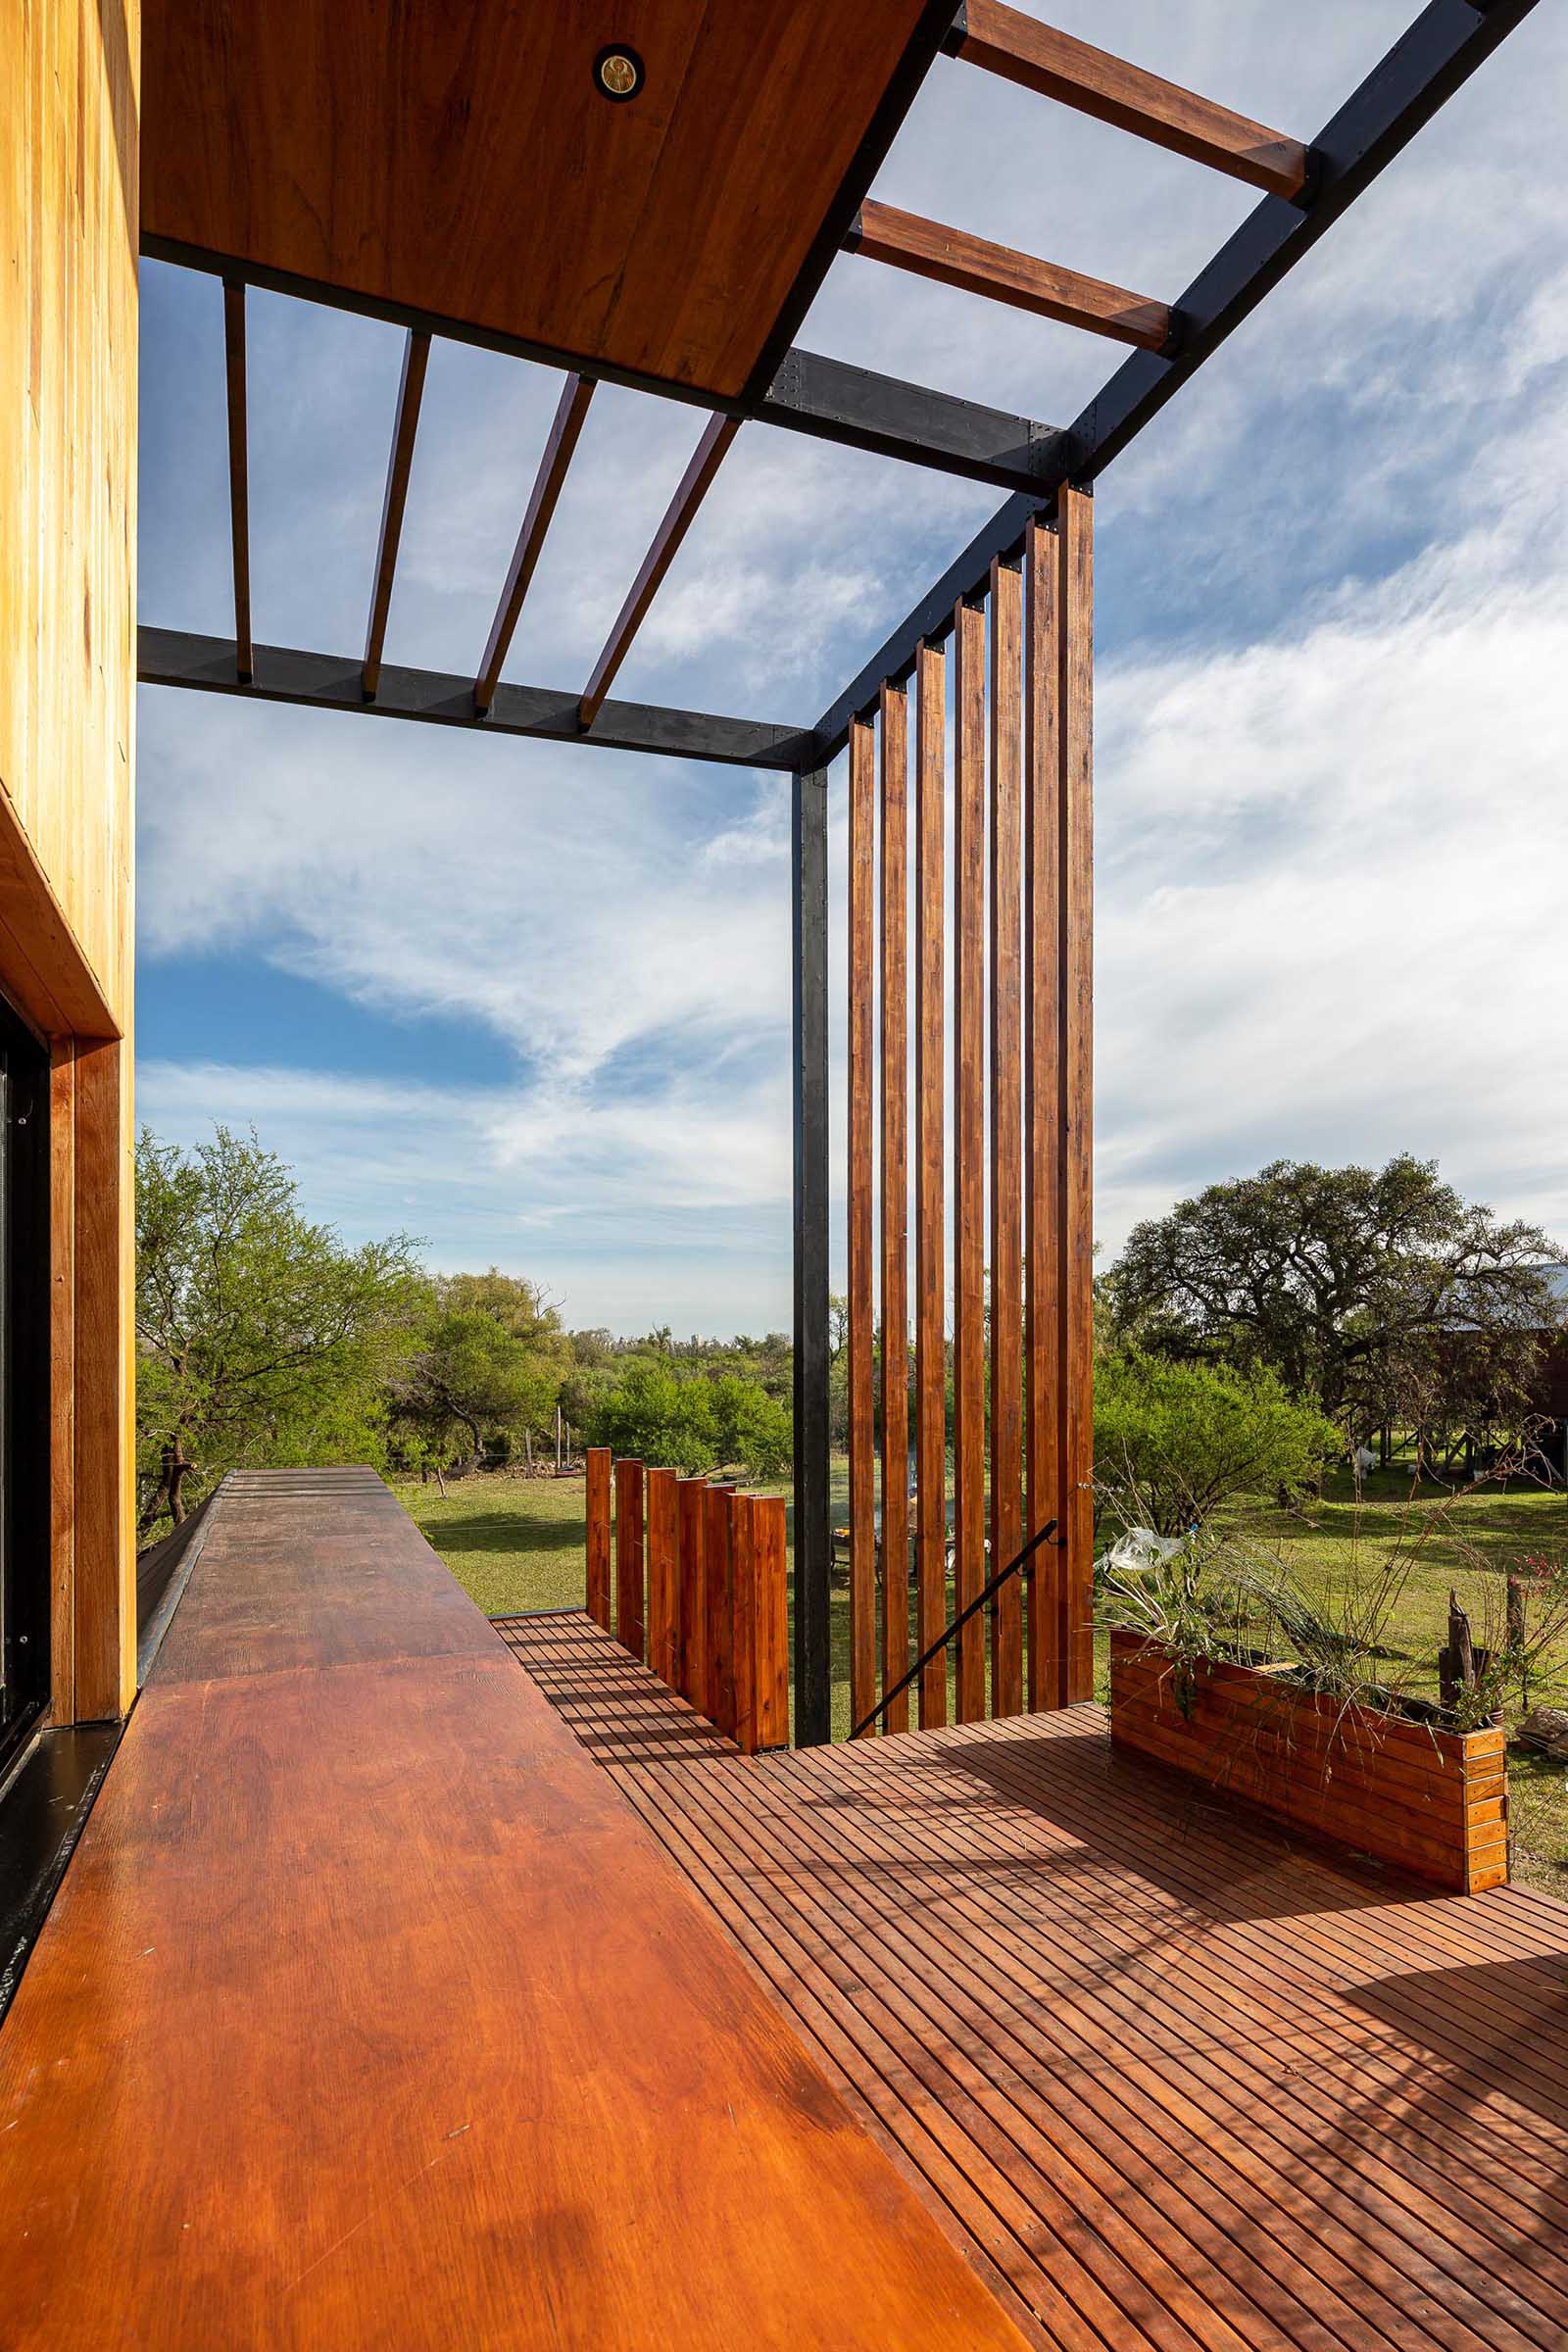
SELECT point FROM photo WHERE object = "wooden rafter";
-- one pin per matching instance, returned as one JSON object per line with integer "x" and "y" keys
{"x": 411, "y": 391}
{"x": 694, "y": 483}
{"x": 954, "y": 257}
{"x": 1004, "y": 41}
{"x": 571, "y": 414}
{"x": 239, "y": 500}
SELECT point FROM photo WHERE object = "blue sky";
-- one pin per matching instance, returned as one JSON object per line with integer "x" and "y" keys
{"x": 530, "y": 1002}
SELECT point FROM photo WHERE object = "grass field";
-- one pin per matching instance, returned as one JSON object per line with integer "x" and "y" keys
{"x": 517, "y": 1544}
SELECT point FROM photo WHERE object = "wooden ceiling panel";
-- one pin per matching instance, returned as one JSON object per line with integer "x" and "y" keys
{"x": 462, "y": 162}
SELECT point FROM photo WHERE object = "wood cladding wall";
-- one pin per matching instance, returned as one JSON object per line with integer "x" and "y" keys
{"x": 69, "y": 215}
{"x": 1008, "y": 915}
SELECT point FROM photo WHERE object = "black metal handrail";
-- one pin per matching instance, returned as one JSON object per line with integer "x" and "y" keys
{"x": 1042, "y": 1536}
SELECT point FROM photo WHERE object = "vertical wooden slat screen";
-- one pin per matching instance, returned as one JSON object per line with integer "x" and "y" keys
{"x": 930, "y": 1207}
{"x": 629, "y": 1631}
{"x": 661, "y": 1574}
{"x": 717, "y": 1591}
{"x": 1075, "y": 531}
{"x": 1041, "y": 1065}
{"x": 719, "y": 1603}
{"x": 692, "y": 1679}
{"x": 894, "y": 1106}
{"x": 863, "y": 1471}
{"x": 742, "y": 1622}
{"x": 1060, "y": 1056}
{"x": 771, "y": 1621}
{"x": 595, "y": 1462}
{"x": 968, "y": 1145}
{"x": 1021, "y": 1061}
{"x": 1007, "y": 1142}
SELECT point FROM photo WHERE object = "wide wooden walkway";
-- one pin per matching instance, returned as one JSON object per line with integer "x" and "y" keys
{"x": 369, "y": 2019}
{"x": 1169, "y": 2080}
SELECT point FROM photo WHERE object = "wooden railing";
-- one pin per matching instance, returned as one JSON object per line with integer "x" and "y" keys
{"x": 700, "y": 1590}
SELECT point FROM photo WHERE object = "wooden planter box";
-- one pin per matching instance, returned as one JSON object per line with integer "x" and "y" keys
{"x": 1435, "y": 1802}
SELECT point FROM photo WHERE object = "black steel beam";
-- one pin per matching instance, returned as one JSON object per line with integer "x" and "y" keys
{"x": 334, "y": 683}
{"x": 1439, "y": 53}
{"x": 836, "y": 401}
{"x": 813, "y": 1682}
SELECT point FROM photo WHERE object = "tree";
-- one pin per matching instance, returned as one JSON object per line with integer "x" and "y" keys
{"x": 752, "y": 1428}
{"x": 261, "y": 1338}
{"x": 1174, "y": 1440}
{"x": 487, "y": 1362}
{"x": 660, "y": 1416}
{"x": 1344, "y": 1281}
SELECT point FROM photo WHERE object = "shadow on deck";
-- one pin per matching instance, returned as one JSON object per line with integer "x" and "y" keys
{"x": 1170, "y": 2078}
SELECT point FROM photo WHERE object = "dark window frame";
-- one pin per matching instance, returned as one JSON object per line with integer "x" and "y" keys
{"x": 25, "y": 1376}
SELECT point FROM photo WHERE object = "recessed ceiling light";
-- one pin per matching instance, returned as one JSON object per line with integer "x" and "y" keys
{"x": 618, "y": 72}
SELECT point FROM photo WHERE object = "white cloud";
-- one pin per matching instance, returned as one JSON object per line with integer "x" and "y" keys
{"x": 1334, "y": 620}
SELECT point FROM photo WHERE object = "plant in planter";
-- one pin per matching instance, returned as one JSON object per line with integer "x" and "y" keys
{"x": 1223, "y": 1666}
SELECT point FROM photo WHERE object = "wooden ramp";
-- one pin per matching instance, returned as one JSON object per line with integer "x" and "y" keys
{"x": 370, "y": 2016}
{"x": 1171, "y": 2080}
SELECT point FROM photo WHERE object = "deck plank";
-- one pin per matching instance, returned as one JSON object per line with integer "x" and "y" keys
{"x": 1170, "y": 2076}
{"x": 370, "y": 2014}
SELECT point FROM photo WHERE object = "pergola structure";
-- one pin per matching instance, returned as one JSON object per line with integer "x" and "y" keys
{"x": 701, "y": 171}
{"x": 421, "y": 1979}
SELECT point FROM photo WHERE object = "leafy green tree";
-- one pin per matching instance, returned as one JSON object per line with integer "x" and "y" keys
{"x": 655, "y": 1412}
{"x": 753, "y": 1430}
{"x": 262, "y": 1339}
{"x": 471, "y": 1371}
{"x": 1175, "y": 1441}
{"x": 1350, "y": 1283}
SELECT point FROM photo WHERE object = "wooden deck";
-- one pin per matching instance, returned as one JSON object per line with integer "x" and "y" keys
{"x": 1170, "y": 2079}
{"x": 369, "y": 2019}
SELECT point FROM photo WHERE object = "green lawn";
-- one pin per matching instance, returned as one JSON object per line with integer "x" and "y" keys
{"x": 517, "y": 1544}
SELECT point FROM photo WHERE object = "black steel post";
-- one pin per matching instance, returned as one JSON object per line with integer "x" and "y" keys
{"x": 813, "y": 1530}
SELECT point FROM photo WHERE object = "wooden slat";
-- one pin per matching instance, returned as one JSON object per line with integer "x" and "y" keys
{"x": 743, "y": 1620}
{"x": 954, "y": 257}
{"x": 719, "y": 1603}
{"x": 968, "y": 1145}
{"x": 1006, "y": 1139}
{"x": 893, "y": 886}
{"x": 630, "y": 1629}
{"x": 596, "y": 1470}
{"x": 930, "y": 1207}
{"x": 861, "y": 1308}
{"x": 571, "y": 412}
{"x": 771, "y": 1670}
{"x": 693, "y": 1661}
{"x": 1042, "y": 992}
{"x": 411, "y": 391}
{"x": 663, "y": 1544}
{"x": 1003, "y": 40}
{"x": 239, "y": 500}
{"x": 1076, "y": 624}
{"x": 695, "y": 484}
